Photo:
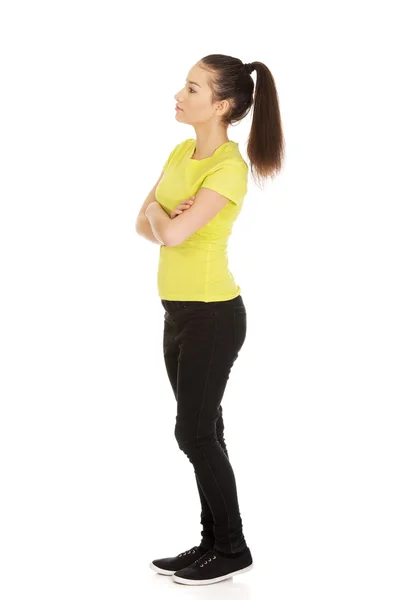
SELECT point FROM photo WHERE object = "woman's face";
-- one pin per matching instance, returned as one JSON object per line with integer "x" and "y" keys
{"x": 195, "y": 98}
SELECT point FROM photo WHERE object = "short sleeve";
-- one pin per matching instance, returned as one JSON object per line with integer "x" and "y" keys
{"x": 229, "y": 179}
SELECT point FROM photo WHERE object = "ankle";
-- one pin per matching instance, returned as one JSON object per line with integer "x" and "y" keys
{"x": 205, "y": 547}
{"x": 230, "y": 554}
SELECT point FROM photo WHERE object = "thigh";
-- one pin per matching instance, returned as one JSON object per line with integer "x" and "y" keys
{"x": 208, "y": 349}
{"x": 171, "y": 352}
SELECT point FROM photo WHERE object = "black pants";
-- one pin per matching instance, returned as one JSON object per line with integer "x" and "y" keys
{"x": 201, "y": 342}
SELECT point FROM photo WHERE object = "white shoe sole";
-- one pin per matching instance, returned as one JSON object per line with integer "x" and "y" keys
{"x": 207, "y": 581}
{"x": 160, "y": 571}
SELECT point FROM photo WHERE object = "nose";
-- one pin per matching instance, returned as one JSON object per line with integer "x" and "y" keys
{"x": 178, "y": 96}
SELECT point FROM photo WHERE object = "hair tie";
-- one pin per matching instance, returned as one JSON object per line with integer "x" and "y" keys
{"x": 249, "y": 67}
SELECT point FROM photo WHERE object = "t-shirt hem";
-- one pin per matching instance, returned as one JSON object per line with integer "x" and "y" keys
{"x": 192, "y": 299}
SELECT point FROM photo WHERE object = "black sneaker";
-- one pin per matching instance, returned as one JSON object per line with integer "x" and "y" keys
{"x": 212, "y": 567}
{"x": 168, "y": 566}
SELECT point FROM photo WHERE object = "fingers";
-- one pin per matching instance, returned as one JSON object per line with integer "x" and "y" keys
{"x": 187, "y": 203}
{"x": 183, "y": 206}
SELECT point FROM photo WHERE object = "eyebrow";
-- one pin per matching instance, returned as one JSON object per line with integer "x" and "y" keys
{"x": 194, "y": 83}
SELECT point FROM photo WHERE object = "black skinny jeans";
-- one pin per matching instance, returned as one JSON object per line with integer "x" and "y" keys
{"x": 201, "y": 342}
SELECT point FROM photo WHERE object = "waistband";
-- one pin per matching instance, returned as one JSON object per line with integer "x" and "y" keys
{"x": 173, "y": 305}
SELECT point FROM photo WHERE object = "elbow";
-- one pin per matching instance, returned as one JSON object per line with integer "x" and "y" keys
{"x": 137, "y": 227}
{"x": 139, "y": 224}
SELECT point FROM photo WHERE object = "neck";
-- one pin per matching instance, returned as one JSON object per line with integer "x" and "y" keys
{"x": 207, "y": 141}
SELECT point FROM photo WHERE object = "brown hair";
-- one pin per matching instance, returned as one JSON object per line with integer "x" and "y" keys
{"x": 231, "y": 79}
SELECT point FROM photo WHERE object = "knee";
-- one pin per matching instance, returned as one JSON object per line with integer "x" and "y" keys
{"x": 181, "y": 437}
{"x": 188, "y": 441}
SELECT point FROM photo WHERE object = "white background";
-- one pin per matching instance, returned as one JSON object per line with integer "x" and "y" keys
{"x": 94, "y": 485}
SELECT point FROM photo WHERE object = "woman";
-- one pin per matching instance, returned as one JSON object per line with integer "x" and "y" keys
{"x": 190, "y": 213}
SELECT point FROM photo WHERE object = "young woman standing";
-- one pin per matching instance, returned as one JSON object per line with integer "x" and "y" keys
{"x": 190, "y": 213}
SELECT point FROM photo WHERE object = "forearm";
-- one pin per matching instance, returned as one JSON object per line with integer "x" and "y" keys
{"x": 159, "y": 220}
{"x": 143, "y": 228}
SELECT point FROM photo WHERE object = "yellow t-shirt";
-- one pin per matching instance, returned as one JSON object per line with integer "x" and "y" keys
{"x": 197, "y": 269}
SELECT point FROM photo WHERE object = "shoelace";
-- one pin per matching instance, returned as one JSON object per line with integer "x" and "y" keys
{"x": 191, "y": 551}
{"x": 206, "y": 558}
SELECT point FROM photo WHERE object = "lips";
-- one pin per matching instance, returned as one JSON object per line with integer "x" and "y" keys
{"x": 178, "y": 107}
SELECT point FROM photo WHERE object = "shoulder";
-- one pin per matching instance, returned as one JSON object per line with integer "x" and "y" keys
{"x": 229, "y": 177}
{"x": 184, "y": 144}
{"x": 231, "y": 165}
{"x": 176, "y": 153}
{"x": 231, "y": 158}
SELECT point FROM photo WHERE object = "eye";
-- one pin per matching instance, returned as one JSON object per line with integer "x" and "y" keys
{"x": 192, "y": 90}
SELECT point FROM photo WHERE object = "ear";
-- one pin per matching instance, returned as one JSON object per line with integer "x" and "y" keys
{"x": 222, "y": 107}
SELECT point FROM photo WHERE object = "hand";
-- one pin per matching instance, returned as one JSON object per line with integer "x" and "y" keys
{"x": 184, "y": 205}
